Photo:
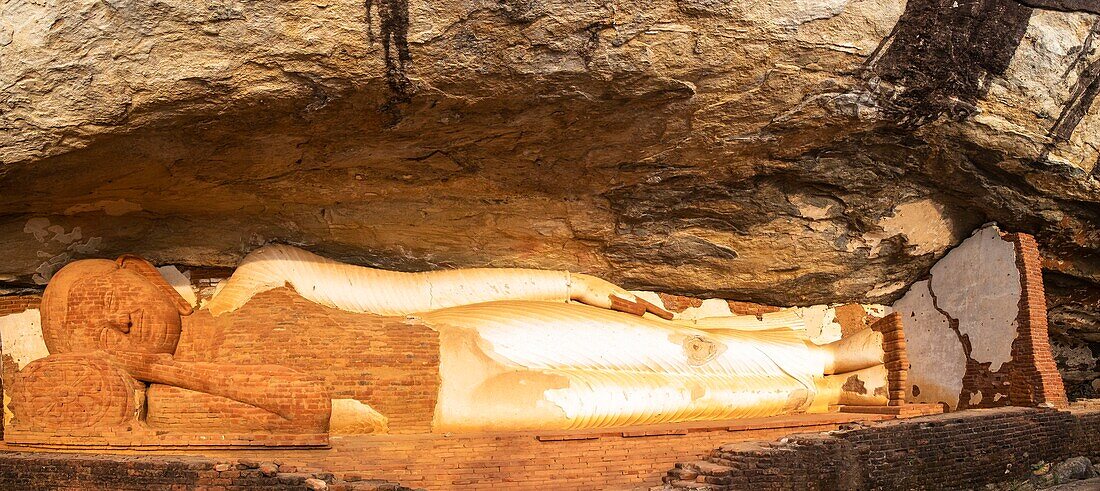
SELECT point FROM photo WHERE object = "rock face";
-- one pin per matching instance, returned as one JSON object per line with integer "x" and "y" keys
{"x": 785, "y": 152}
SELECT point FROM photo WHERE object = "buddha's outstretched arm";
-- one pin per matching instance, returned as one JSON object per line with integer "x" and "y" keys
{"x": 276, "y": 389}
{"x": 362, "y": 289}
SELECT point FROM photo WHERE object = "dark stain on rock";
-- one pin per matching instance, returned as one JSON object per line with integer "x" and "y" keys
{"x": 1082, "y": 96}
{"x": 1089, "y": 6}
{"x": 854, "y": 385}
{"x": 916, "y": 390}
{"x": 942, "y": 53}
{"x": 393, "y": 26}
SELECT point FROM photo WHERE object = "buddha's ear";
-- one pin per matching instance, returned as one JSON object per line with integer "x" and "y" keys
{"x": 146, "y": 269}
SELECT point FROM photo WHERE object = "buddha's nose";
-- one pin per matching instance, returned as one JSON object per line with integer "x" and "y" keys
{"x": 122, "y": 322}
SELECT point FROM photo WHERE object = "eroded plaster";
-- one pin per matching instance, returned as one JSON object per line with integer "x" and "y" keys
{"x": 58, "y": 246}
{"x": 978, "y": 284}
{"x": 21, "y": 342}
{"x": 960, "y": 324}
{"x": 21, "y": 337}
{"x": 936, "y": 356}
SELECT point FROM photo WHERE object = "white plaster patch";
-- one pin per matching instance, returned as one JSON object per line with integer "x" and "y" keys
{"x": 936, "y": 357}
{"x": 181, "y": 282}
{"x": 877, "y": 310}
{"x": 923, "y": 224}
{"x": 975, "y": 398}
{"x": 353, "y": 417}
{"x": 651, "y": 297}
{"x": 978, "y": 284}
{"x": 821, "y": 324}
{"x": 58, "y": 246}
{"x": 21, "y": 337}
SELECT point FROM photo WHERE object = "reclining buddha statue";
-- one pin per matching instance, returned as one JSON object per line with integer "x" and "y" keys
{"x": 503, "y": 349}
{"x": 536, "y": 349}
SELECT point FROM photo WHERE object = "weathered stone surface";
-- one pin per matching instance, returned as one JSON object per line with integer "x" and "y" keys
{"x": 779, "y": 152}
{"x": 1073, "y": 469}
{"x": 1073, "y": 310}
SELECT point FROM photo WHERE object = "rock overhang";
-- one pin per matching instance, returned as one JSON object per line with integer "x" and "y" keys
{"x": 789, "y": 156}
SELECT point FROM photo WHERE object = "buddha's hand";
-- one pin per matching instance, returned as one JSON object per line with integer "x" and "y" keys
{"x": 593, "y": 291}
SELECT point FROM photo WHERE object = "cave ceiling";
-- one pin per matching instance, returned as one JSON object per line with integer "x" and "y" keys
{"x": 794, "y": 153}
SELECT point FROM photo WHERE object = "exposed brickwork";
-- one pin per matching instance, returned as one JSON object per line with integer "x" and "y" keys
{"x": 15, "y": 304}
{"x": 52, "y": 471}
{"x": 173, "y": 408}
{"x": 1035, "y": 379}
{"x": 962, "y": 450}
{"x": 1088, "y": 422}
{"x": 386, "y": 362}
{"x": 1030, "y": 377}
{"x": 679, "y": 303}
{"x": 853, "y": 318}
{"x": 749, "y": 308}
{"x": 894, "y": 356}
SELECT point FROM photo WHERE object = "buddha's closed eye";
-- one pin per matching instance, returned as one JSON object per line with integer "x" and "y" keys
{"x": 109, "y": 300}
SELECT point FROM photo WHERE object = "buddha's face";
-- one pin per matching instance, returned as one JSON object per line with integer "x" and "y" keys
{"x": 98, "y": 305}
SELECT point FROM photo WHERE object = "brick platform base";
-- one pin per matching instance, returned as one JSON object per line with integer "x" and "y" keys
{"x": 26, "y": 471}
{"x": 626, "y": 458}
{"x": 962, "y": 450}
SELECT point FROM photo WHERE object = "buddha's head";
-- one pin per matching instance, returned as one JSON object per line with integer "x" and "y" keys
{"x": 123, "y": 305}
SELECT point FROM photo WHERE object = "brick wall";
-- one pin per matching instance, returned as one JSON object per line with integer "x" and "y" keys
{"x": 1088, "y": 422}
{"x": 15, "y": 304}
{"x": 64, "y": 472}
{"x": 1035, "y": 378}
{"x": 385, "y": 362}
{"x": 962, "y": 450}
